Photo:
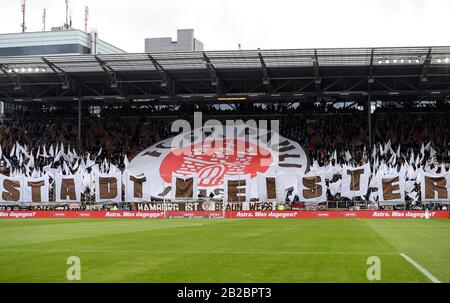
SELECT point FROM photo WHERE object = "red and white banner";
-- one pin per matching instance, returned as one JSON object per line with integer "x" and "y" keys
{"x": 82, "y": 214}
{"x": 215, "y": 158}
{"x": 245, "y": 214}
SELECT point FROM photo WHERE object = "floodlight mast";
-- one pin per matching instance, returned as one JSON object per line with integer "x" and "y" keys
{"x": 86, "y": 17}
{"x": 23, "y": 7}
{"x": 44, "y": 15}
{"x": 67, "y": 14}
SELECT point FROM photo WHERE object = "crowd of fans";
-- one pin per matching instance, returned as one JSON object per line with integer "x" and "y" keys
{"x": 319, "y": 129}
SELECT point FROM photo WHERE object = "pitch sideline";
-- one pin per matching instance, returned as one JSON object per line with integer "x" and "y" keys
{"x": 195, "y": 252}
{"x": 420, "y": 268}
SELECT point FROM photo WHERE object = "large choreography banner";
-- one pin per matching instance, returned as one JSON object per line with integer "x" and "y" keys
{"x": 285, "y": 158}
{"x": 254, "y": 165}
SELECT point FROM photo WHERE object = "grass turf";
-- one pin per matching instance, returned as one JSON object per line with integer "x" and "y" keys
{"x": 218, "y": 250}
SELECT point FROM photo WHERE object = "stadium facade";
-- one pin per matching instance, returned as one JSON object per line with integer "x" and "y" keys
{"x": 186, "y": 42}
{"x": 58, "y": 41}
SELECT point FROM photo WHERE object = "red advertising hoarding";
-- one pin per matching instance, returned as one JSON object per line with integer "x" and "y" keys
{"x": 229, "y": 214}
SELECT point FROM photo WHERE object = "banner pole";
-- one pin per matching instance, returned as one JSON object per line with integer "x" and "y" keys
{"x": 79, "y": 140}
{"x": 164, "y": 209}
{"x": 164, "y": 199}
{"x": 369, "y": 118}
{"x": 223, "y": 208}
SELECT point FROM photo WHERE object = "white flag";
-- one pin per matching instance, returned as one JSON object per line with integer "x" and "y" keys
{"x": 11, "y": 153}
{"x": 348, "y": 157}
{"x": 125, "y": 161}
{"x": 51, "y": 151}
{"x": 432, "y": 152}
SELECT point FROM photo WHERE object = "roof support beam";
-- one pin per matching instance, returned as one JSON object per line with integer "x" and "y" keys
{"x": 231, "y": 87}
{"x": 304, "y": 86}
{"x": 354, "y": 85}
{"x": 286, "y": 82}
{"x": 266, "y": 74}
{"x": 426, "y": 67}
{"x": 143, "y": 92}
{"x": 371, "y": 78}
{"x": 43, "y": 92}
{"x": 331, "y": 84}
{"x": 215, "y": 79}
{"x": 317, "y": 78}
{"x": 407, "y": 83}
{"x": 383, "y": 84}
{"x": 111, "y": 73}
{"x": 59, "y": 72}
{"x": 167, "y": 83}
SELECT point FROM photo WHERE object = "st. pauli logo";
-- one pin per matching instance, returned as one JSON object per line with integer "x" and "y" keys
{"x": 212, "y": 165}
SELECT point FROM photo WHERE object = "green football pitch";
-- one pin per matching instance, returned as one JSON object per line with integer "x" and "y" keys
{"x": 225, "y": 250}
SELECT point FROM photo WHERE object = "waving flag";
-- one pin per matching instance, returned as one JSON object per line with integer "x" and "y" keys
{"x": 125, "y": 161}
{"x": 432, "y": 152}
{"x": 11, "y": 153}
{"x": 51, "y": 151}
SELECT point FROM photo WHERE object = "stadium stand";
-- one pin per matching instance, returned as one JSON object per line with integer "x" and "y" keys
{"x": 344, "y": 107}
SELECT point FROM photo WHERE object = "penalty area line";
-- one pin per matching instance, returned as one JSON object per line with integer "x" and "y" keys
{"x": 420, "y": 268}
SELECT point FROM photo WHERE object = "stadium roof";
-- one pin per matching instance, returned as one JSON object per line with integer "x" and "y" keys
{"x": 280, "y": 74}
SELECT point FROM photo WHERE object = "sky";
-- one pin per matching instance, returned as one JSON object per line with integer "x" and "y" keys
{"x": 265, "y": 24}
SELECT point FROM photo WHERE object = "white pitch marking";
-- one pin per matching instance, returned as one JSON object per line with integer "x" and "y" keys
{"x": 421, "y": 269}
{"x": 195, "y": 252}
